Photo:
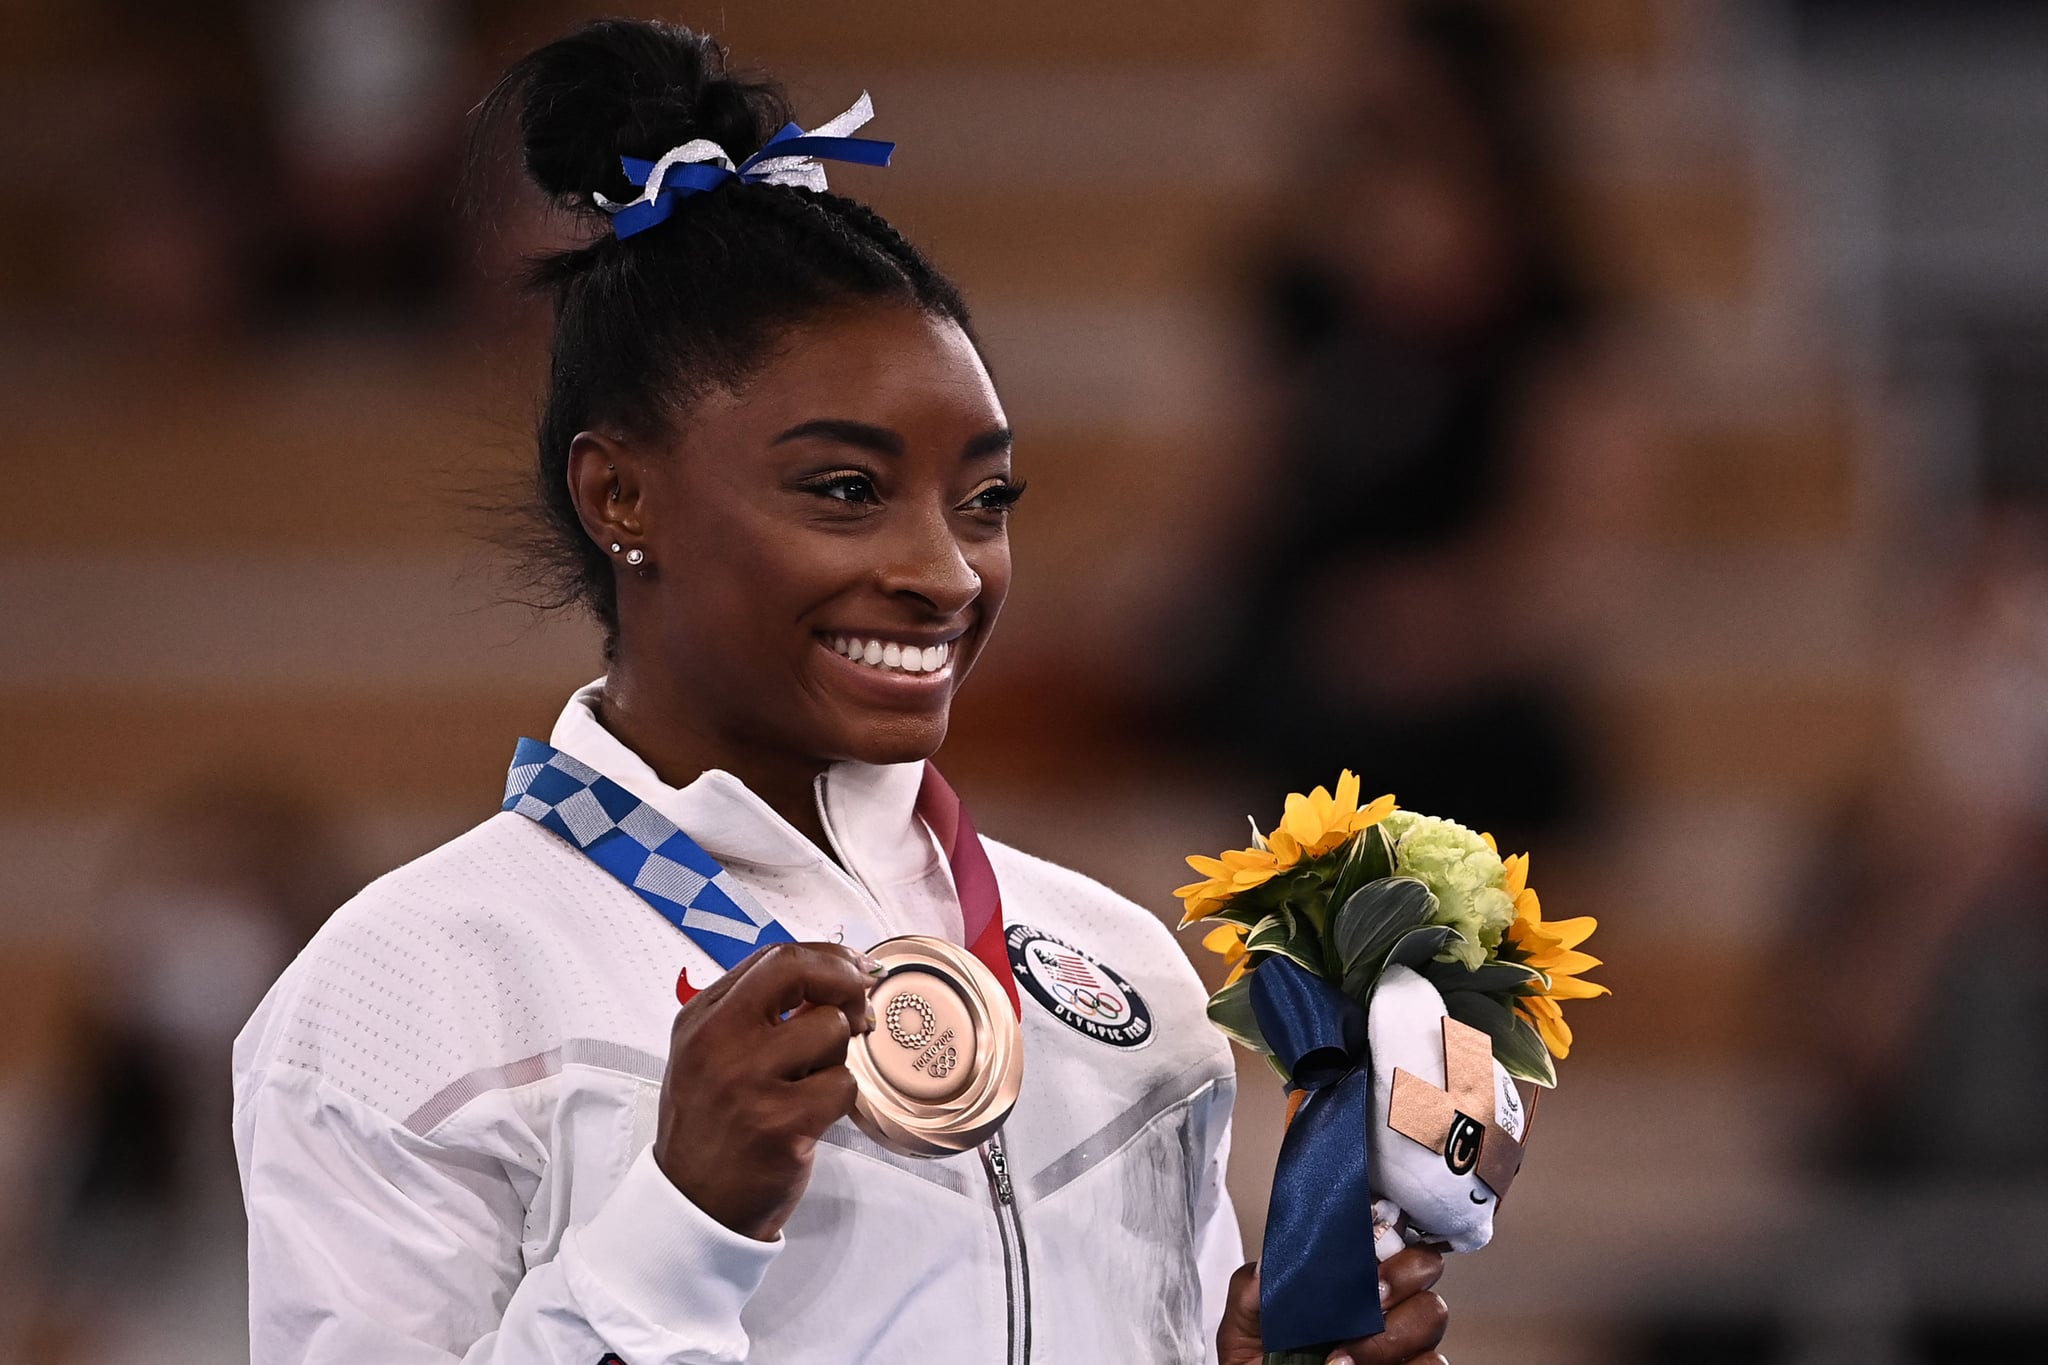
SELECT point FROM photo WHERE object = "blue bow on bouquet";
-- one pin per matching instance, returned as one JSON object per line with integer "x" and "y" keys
{"x": 791, "y": 157}
{"x": 1318, "y": 1272}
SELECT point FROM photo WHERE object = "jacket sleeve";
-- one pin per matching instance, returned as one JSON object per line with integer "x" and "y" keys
{"x": 370, "y": 1242}
{"x": 1219, "y": 1245}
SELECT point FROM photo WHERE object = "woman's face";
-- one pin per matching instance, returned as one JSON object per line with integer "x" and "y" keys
{"x": 849, "y": 499}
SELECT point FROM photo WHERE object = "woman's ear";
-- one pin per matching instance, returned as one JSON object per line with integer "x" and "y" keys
{"x": 605, "y": 483}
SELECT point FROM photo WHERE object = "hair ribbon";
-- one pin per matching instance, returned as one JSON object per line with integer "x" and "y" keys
{"x": 791, "y": 157}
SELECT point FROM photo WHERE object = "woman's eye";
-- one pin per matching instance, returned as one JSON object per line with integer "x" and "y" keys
{"x": 847, "y": 488}
{"x": 997, "y": 497}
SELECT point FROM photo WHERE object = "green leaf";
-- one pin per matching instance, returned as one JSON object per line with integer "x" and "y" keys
{"x": 1368, "y": 857}
{"x": 1525, "y": 1057}
{"x": 1376, "y": 915}
{"x": 1237, "y": 910}
{"x": 1489, "y": 978}
{"x": 1486, "y": 1013}
{"x": 1230, "y": 1009}
{"x": 1516, "y": 1044}
{"x": 1285, "y": 934}
{"x": 1418, "y": 946}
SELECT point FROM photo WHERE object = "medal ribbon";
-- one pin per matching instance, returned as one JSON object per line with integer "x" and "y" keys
{"x": 642, "y": 848}
{"x": 974, "y": 880}
{"x": 669, "y": 870}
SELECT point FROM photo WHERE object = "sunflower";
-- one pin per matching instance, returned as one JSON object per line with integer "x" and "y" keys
{"x": 1551, "y": 949}
{"x": 1228, "y": 939}
{"x": 1310, "y": 826}
{"x": 1314, "y": 824}
{"x": 1237, "y": 870}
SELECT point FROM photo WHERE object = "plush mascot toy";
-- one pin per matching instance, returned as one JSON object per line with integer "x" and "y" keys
{"x": 1447, "y": 1121}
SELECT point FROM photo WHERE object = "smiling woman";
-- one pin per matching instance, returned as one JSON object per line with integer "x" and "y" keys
{"x": 859, "y": 493}
{"x": 472, "y": 1124}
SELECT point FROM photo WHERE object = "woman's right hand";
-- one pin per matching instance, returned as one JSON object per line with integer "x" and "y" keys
{"x": 749, "y": 1091}
{"x": 1415, "y": 1318}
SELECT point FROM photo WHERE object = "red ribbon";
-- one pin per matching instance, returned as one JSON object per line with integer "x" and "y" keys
{"x": 981, "y": 901}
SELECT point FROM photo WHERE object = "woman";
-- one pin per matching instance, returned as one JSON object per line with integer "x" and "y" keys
{"x": 774, "y": 467}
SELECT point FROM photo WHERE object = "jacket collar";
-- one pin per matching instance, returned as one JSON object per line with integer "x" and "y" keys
{"x": 870, "y": 809}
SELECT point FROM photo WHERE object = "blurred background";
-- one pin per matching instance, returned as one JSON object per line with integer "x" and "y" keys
{"x": 1621, "y": 424}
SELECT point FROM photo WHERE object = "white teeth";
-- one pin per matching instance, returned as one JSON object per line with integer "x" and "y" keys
{"x": 891, "y": 654}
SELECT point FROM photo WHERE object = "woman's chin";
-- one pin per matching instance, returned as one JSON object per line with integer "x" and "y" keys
{"x": 897, "y": 739}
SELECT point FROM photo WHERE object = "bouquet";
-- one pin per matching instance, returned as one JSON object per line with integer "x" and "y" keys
{"x": 1400, "y": 977}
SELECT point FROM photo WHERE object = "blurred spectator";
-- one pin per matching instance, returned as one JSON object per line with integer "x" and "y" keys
{"x": 1418, "y": 310}
{"x": 365, "y": 99}
{"x": 289, "y": 161}
{"x": 215, "y": 890}
{"x": 40, "y": 1015}
{"x": 1939, "y": 886}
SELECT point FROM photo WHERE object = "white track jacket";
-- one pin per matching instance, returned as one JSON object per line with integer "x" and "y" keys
{"x": 444, "y": 1109}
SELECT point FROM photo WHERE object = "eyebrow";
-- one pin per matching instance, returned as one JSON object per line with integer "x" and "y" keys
{"x": 883, "y": 441}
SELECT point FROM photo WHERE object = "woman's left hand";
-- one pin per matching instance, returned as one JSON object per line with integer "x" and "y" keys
{"x": 1416, "y": 1318}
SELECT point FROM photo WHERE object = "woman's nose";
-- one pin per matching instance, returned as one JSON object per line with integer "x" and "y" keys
{"x": 932, "y": 564}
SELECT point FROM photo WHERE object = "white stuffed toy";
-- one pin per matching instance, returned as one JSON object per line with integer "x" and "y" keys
{"x": 1447, "y": 1121}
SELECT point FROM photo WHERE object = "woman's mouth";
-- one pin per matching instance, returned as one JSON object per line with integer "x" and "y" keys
{"x": 894, "y": 657}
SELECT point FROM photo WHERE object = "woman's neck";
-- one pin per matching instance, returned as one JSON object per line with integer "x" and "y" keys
{"x": 669, "y": 741}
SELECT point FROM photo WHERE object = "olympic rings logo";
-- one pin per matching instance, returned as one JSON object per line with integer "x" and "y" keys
{"x": 1094, "y": 1004}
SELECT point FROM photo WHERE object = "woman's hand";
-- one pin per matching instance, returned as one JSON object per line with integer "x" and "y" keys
{"x": 1416, "y": 1318}
{"x": 749, "y": 1091}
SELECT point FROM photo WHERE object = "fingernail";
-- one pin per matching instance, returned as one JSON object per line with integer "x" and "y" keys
{"x": 869, "y": 965}
{"x": 1384, "y": 1292}
{"x": 1340, "y": 1356}
{"x": 873, "y": 1023}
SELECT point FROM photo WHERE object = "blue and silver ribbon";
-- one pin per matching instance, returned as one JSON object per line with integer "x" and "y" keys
{"x": 791, "y": 157}
{"x": 642, "y": 848}
{"x": 1318, "y": 1272}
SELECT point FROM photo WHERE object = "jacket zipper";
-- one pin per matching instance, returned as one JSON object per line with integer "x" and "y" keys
{"x": 841, "y": 864}
{"x": 1009, "y": 1227}
{"x": 1016, "y": 1265}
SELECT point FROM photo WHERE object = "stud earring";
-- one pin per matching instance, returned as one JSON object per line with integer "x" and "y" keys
{"x": 615, "y": 547}
{"x": 635, "y": 555}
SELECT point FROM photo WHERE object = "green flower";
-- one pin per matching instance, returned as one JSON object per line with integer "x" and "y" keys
{"x": 1466, "y": 875}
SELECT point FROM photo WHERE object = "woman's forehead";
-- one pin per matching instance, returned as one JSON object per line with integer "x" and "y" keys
{"x": 892, "y": 367}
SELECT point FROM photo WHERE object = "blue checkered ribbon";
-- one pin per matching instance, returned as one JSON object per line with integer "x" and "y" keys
{"x": 642, "y": 848}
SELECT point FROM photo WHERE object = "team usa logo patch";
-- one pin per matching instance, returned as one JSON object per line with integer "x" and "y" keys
{"x": 1081, "y": 993}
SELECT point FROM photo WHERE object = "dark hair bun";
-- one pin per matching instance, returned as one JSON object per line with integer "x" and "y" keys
{"x": 628, "y": 87}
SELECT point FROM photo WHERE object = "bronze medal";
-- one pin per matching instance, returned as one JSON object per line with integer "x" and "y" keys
{"x": 945, "y": 1061}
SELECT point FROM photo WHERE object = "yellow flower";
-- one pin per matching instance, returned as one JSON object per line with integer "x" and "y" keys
{"x": 1237, "y": 870}
{"x": 1314, "y": 824}
{"x": 1551, "y": 949}
{"x": 1228, "y": 939}
{"x": 1311, "y": 826}
{"x": 1544, "y": 1013}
